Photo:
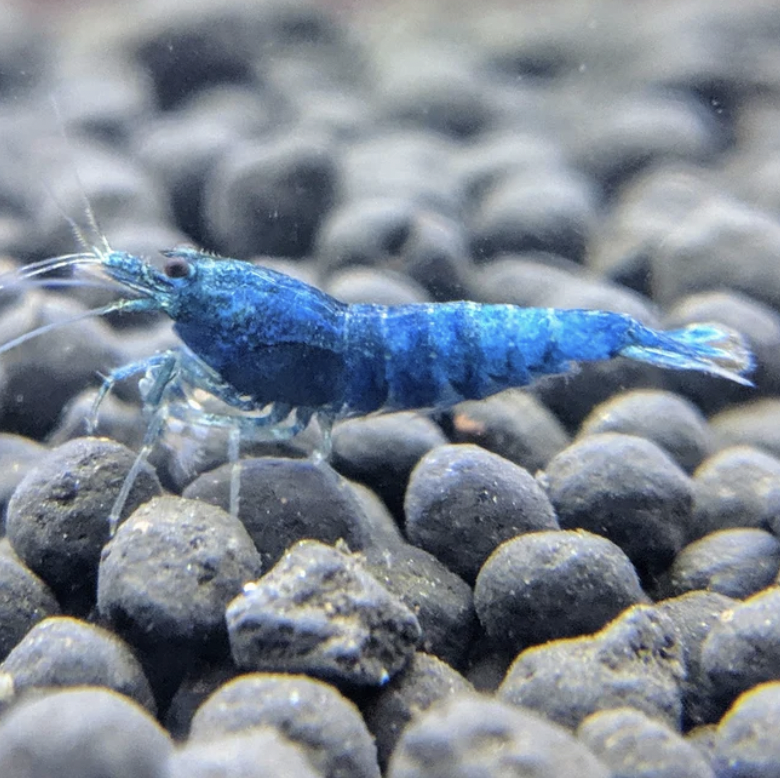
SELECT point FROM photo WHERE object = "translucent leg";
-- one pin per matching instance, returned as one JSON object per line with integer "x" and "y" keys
{"x": 147, "y": 366}
{"x": 161, "y": 371}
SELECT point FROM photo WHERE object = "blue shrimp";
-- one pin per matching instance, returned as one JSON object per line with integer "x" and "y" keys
{"x": 276, "y": 352}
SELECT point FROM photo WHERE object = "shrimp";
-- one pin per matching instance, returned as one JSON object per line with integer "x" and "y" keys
{"x": 275, "y": 352}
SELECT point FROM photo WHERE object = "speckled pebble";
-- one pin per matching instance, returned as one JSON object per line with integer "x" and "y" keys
{"x": 547, "y": 585}
{"x": 57, "y": 519}
{"x": 257, "y": 753}
{"x": 82, "y": 733}
{"x": 61, "y": 651}
{"x": 463, "y": 501}
{"x": 318, "y": 611}
{"x": 743, "y": 647}
{"x": 735, "y": 562}
{"x": 738, "y": 487}
{"x": 170, "y": 570}
{"x": 381, "y": 451}
{"x": 24, "y": 600}
{"x": 442, "y": 601}
{"x": 667, "y": 419}
{"x": 286, "y": 500}
{"x": 422, "y": 683}
{"x": 627, "y": 489}
{"x": 468, "y": 736}
{"x": 633, "y": 745}
{"x": 634, "y": 661}
{"x": 746, "y": 742}
{"x": 693, "y": 616}
{"x": 514, "y": 425}
{"x": 310, "y": 713}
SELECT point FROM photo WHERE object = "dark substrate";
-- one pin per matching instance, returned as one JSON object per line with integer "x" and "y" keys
{"x": 576, "y": 580}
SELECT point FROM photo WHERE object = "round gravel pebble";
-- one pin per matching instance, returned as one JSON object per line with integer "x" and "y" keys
{"x": 746, "y": 743}
{"x": 693, "y": 616}
{"x": 57, "y": 519}
{"x": 634, "y": 661}
{"x": 318, "y": 611}
{"x": 547, "y": 585}
{"x": 734, "y": 562}
{"x": 422, "y": 683}
{"x": 381, "y": 452}
{"x": 754, "y": 423}
{"x": 743, "y": 647}
{"x": 286, "y": 500}
{"x": 463, "y": 501}
{"x": 170, "y": 570}
{"x": 375, "y": 286}
{"x": 82, "y": 733}
{"x": 524, "y": 212}
{"x": 738, "y": 487}
{"x": 61, "y": 651}
{"x": 442, "y": 601}
{"x": 24, "y": 600}
{"x": 400, "y": 235}
{"x": 269, "y": 197}
{"x": 467, "y": 736}
{"x": 256, "y": 753}
{"x": 633, "y": 745}
{"x": 627, "y": 489}
{"x": 514, "y": 425}
{"x": 69, "y": 358}
{"x": 668, "y": 420}
{"x": 18, "y": 455}
{"x": 699, "y": 253}
{"x": 310, "y": 713}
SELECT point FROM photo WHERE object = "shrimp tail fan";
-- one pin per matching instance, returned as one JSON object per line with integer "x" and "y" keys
{"x": 707, "y": 348}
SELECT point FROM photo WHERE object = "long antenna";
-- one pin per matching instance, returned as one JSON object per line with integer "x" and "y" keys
{"x": 88, "y": 211}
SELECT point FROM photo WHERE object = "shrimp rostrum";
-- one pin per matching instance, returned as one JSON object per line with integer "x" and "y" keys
{"x": 276, "y": 352}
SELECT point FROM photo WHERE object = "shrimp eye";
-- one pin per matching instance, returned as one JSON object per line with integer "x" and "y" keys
{"x": 177, "y": 267}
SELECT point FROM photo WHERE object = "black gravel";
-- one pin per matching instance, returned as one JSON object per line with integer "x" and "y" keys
{"x": 463, "y": 501}
{"x": 694, "y": 615}
{"x": 82, "y": 733}
{"x": 469, "y": 735}
{"x": 286, "y": 500}
{"x": 61, "y": 651}
{"x": 746, "y": 743}
{"x": 310, "y": 713}
{"x": 57, "y": 519}
{"x": 743, "y": 648}
{"x": 319, "y": 612}
{"x": 256, "y": 753}
{"x": 627, "y": 489}
{"x": 520, "y": 588}
{"x": 667, "y": 419}
{"x": 734, "y": 562}
{"x": 609, "y": 157}
{"x": 635, "y": 660}
{"x": 24, "y": 600}
{"x": 422, "y": 683}
{"x": 633, "y": 745}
